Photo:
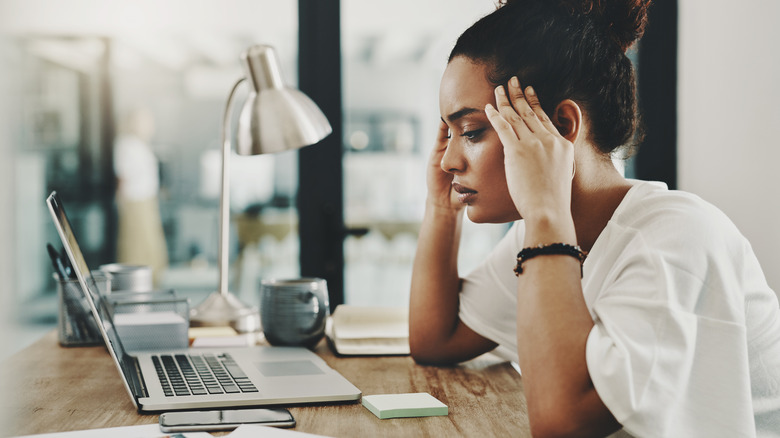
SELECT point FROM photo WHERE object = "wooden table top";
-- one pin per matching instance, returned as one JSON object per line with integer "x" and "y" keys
{"x": 48, "y": 388}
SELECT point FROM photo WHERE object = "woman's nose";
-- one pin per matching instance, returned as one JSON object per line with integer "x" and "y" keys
{"x": 452, "y": 161}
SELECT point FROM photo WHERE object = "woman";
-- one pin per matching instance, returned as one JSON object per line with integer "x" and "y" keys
{"x": 141, "y": 238}
{"x": 631, "y": 308}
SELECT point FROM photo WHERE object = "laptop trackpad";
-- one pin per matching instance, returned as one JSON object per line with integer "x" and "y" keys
{"x": 288, "y": 368}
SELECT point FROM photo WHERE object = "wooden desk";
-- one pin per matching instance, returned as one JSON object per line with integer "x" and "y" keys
{"x": 79, "y": 388}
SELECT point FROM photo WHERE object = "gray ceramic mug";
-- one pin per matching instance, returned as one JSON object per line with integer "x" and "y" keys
{"x": 294, "y": 311}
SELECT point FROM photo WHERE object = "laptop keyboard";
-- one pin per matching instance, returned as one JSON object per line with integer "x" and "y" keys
{"x": 189, "y": 374}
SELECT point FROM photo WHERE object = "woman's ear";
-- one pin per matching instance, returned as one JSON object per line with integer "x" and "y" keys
{"x": 567, "y": 117}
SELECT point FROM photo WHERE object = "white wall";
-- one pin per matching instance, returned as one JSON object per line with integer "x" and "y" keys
{"x": 729, "y": 114}
{"x": 7, "y": 280}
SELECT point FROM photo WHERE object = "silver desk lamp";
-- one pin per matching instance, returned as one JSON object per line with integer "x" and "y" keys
{"x": 274, "y": 118}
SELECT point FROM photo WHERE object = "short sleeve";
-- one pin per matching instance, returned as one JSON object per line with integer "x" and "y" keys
{"x": 488, "y": 297}
{"x": 137, "y": 167}
{"x": 661, "y": 365}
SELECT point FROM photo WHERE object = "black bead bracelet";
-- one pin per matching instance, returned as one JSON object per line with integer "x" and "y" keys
{"x": 551, "y": 249}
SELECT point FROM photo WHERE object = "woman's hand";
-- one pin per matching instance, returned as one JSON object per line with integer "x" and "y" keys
{"x": 539, "y": 162}
{"x": 440, "y": 193}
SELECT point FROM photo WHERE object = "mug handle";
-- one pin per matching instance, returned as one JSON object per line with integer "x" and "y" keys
{"x": 320, "y": 314}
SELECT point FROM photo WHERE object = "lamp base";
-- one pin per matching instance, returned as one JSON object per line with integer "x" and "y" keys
{"x": 219, "y": 310}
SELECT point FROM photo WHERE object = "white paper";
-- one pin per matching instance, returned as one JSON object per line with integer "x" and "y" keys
{"x": 374, "y": 346}
{"x": 356, "y": 322}
{"x": 144, "y": 431}
{"x": 254, "y": 430}
{"x": 148, "y": 318}
{"x": 244, "y": 340}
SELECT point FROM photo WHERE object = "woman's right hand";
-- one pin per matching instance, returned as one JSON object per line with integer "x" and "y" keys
{"x": 436, "y": 335}
{"x": 440, "y": 193}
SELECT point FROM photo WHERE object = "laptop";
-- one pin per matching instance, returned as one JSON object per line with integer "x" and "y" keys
{"x": 206, "y": 378}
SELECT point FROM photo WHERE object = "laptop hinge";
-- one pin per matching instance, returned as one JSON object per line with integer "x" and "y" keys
{"x": 134, "y": 377}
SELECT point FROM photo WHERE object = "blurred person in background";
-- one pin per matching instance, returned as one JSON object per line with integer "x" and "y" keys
{"x": 141, "y": 239}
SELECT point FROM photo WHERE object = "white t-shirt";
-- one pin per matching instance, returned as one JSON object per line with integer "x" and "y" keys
{"x": 686, "y": 341}
{"x": 137, "y": 168}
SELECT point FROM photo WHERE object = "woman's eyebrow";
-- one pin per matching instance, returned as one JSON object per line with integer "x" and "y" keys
{"x": 461, "y": 113}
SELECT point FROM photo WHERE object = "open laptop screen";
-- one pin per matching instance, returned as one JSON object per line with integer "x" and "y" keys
{"x": 88, "y": 285}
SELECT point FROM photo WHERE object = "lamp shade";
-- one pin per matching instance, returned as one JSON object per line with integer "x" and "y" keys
{"x": 275, "y": 118}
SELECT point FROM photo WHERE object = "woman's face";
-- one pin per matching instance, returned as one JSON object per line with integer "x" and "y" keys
{"x": 474, "y": 155}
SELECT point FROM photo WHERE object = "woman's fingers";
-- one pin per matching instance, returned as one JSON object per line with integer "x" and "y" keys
{"x": 504, "y": 129}
{"x": 533, "y": 100}
{"x": 521, "y": 111}
{"x": 523, "y": 108}
{"x": 443, "y": 136}
{"x": 508, "y": 113}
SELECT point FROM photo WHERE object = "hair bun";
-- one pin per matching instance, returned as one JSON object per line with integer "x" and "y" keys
{"x": 624, "y": 20}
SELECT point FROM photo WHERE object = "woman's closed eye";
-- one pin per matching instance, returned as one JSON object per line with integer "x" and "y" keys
{"x": 474, "y": 134}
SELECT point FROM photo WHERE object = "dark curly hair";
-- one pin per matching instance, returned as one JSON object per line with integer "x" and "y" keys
{"x": 567, "y": 49}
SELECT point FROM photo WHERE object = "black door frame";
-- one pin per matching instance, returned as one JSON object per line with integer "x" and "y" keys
{"x": 320, "y": 170}
{"x": 656, "y": 159}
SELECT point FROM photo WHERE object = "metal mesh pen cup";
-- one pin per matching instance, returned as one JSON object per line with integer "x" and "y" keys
{"x": 75, "y": 324}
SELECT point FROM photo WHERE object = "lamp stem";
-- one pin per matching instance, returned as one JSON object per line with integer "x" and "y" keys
{"x": 224, "y": 199}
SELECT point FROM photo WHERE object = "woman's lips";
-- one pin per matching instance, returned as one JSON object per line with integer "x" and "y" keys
{"x": 465, "y": 194}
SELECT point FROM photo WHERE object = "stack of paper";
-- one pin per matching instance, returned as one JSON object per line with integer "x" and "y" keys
{"x": 360, "y": 330}
{"x": 142, "y": 331}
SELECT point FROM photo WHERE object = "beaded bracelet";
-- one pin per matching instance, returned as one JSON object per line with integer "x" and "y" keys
{"x": 551, "y": 249}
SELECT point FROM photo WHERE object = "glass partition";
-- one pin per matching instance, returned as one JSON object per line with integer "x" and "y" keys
{"x": 393, "y": 56}
{"x": 142, "y": 86}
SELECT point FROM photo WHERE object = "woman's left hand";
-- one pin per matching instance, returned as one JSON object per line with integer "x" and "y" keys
{"x": 538, "y": 161}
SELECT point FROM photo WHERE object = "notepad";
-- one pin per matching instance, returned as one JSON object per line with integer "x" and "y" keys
{"x": 420, "y": 404}
{"x": 366, "y": 330}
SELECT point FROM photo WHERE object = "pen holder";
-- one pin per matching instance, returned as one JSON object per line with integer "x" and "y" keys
{"x": 148, "y": 321}
{"x": 75, "y": 324}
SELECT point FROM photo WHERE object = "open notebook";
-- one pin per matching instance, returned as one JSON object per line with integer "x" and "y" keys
{"x": 362, "y": 330}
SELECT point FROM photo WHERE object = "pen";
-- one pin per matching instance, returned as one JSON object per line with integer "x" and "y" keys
{"x": 66, "y": 263}
{"x": 56, "y": 261}
{"x": 73, "y": 325}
